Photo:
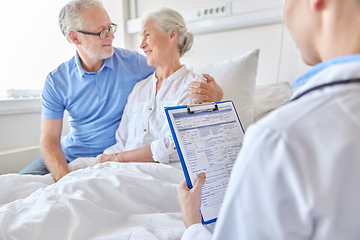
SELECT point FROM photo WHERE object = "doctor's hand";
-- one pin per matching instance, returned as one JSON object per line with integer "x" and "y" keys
{"x": 190, "y": 201}
{"x": 206, "y": 92}
{"x": 115, "y": 157}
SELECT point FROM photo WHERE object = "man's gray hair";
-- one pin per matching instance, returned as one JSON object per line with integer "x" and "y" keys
{"x": 70, "y": 16}
{"x": 168, "y": 20}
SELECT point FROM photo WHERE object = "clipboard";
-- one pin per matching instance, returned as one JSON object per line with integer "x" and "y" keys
{"x": 208, "y": 138}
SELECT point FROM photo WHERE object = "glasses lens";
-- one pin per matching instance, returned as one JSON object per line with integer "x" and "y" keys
{"x": 113, "y": 27}
{"x": 104, "y": 34}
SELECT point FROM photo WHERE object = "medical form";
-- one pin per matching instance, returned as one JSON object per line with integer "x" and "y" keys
{"x": 208, "y": 138}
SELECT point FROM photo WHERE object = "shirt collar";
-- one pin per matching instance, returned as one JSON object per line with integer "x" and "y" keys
{"x": 177, "y": 74}
{"x": 321, "y": 66}
{"x": 173, "y": 76}
{"x": 109, "y": 63}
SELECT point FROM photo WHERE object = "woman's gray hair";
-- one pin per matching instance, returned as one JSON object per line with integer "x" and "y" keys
{"x": 168, "y": 20}
{"x": 70, "y": 16}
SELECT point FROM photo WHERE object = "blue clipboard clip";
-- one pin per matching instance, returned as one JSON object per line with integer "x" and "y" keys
{"x": 202, "y": 107}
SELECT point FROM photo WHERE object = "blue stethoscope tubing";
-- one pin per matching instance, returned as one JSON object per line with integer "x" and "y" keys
{"x": 326, "y": 85}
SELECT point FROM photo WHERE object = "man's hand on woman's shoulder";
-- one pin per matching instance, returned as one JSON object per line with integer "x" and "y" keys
{"x": 208, "y": 91}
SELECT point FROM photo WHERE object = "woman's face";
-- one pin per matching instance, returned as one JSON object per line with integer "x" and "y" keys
{"x": 155, "y": 44}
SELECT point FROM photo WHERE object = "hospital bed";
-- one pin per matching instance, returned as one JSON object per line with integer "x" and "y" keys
{"x": 124, "y": 200}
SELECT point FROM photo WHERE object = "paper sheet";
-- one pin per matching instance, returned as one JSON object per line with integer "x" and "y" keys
{"x": 209, "y": 142}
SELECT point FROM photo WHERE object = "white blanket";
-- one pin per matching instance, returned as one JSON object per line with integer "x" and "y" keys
{"x": 106, "y": 201}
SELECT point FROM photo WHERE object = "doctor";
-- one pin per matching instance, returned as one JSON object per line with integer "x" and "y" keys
{"x": 297, "y": 175}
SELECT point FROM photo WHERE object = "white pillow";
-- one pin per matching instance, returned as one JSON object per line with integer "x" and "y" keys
{"x": 237, "y": 78}
{"x": 269, "y": 97}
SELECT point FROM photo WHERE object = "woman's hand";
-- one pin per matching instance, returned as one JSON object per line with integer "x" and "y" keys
{"x": 190, "y": 201}
{"x": 206, "y": 92}
{"x": 116, "y": 157}
{"x": 142, "y": 154}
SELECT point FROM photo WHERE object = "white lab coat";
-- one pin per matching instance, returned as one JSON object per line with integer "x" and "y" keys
{"x": 297, "y": 175}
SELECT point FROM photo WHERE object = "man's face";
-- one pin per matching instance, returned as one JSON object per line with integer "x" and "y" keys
{"x": 96, "y": 19}
{"x": 301, "y": 23}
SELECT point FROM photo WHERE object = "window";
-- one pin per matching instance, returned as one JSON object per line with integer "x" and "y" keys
{"x": 31, "y": 45}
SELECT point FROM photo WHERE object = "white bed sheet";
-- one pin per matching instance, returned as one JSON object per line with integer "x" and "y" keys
{"x": 106, "y": 201}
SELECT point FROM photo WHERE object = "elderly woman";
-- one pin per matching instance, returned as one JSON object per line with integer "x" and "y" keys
{"x": 143, "y": 134}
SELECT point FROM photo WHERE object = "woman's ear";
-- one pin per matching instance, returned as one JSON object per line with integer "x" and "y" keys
{"x": 174, "y": 35}
{"x": 74, "y": 38}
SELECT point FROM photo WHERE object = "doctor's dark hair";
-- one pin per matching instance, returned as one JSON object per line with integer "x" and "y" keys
{"x": 168, "y": 20}
{"x": 70, "y": 16}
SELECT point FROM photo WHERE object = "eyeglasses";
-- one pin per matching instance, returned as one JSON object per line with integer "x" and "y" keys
{"x": 104, "y": 33}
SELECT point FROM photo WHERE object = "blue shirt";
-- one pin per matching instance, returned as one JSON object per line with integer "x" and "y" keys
{"x": 94, "y": 100}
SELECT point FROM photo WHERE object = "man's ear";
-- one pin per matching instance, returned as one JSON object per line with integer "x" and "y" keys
{"x": 318, "y": 5}
{"x": 74, "y": 38}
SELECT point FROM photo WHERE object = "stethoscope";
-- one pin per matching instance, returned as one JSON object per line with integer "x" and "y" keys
{"x": 326, "y": 85}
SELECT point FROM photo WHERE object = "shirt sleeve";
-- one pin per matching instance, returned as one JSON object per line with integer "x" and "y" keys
{"x": 196, "y": 232}
{"x": 52, "y": 105}
{"x": 265, "y": 195}
{"x": 164, "y": 149}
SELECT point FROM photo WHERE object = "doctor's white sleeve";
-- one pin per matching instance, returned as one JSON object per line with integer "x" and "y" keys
{"x": 196, "y": 232}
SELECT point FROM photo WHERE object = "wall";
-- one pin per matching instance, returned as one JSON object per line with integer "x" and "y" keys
{"x": 20, "y": 133}
{"x": 216, "y": 47}
{"x": 279, "y": 58}
{"x": 20, "y": 127}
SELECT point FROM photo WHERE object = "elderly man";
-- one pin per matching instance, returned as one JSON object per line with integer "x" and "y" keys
{"x": 297, "y": 175}
{"x": 93, "y": 87}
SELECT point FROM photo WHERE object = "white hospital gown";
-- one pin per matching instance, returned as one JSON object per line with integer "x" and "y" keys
{"x": 297, "y": 175}
{"x": 144, "y": 121}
